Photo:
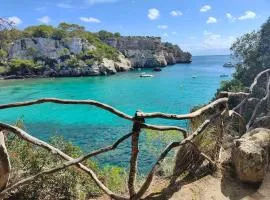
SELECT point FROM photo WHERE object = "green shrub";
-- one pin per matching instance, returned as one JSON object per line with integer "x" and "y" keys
{"x": 43, "y": 31}
{"x": 3, "y": 69}
{"x": 18, "y": 64}
{"x": 58, "y": 34}
{"x": 70, "y": 183}
{"x": 3, "y": 55}
{"x": 233, "y": 85}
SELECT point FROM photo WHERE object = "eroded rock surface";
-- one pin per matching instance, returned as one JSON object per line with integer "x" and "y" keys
{"x": 149, "y": 51}
{"x": 250, "y": 155}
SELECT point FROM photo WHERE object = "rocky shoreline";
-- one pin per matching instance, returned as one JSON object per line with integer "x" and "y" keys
{"x": 75, "y": 57}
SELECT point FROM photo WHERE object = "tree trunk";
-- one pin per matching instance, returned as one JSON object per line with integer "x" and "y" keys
{"x": 4, "y": 163}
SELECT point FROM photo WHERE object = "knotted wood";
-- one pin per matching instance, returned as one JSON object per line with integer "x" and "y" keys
{"x": 4, "y": 163}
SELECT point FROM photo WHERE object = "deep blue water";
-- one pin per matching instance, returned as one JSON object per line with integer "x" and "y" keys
{"x": 173, "y": 90}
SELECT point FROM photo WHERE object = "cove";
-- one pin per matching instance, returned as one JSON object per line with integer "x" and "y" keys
{"x": 171, "y": 91}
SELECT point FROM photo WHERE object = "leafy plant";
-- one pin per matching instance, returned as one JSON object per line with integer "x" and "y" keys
{"x": 70, "y": 183}
{"x": 18, "y": 64}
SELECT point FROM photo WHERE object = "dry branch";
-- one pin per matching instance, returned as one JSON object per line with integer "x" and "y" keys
{"x": 242, "y": 122}
{"x": 251, "y": 89}
{"x": 232, "y": 94}
{"x": 4, "y": 163}
{"x": 64, "y": 101}
{"x": 165, "y": 128}
{"x": 64, "y": 165}
{"x": 150, "y": 176}
{"x": 258, "y": 106}
{"x": 256, "y": 79}
{"x": 25, "y": 136}
{"x": 214, "y": 104}
{"x": 134, "y": 154}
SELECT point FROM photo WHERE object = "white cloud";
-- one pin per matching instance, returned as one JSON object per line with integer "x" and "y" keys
{"x": 64, "y": 5}
{"x": 44, "y": 20}
{"x": 211, "y": 20}
{"x": 162, "y": 26}
{"x": 176, "y": 13}
{"x": 216, "y": 41}
{"x": 248, "y": 15}
{"x": 210, "y": 44}
{"x": 205, "y": 8}
{"x": 92, "y": 2}
{"x": 153, "y": 14}
{"x": 230, "y": 17}
{"x": 90, "y": 20}
{"x": 15, "y": 20}
{"x": 165, "y": 34}
{"x": 174, "y": 33}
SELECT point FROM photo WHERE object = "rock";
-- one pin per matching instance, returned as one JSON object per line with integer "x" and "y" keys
{"x": 149, "y": 51}
{"x": 54, "y": 50}
{"x": 77, "y": 45}
{"x": 263, "y": 122}
{"x": 250, "y": 155}
{"x": 123, "y": 64}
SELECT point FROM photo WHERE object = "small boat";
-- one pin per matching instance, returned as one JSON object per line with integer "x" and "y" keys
{"x": 143, "y": 75}
{"x": 139, "y": 69}
{"x": 194, "y": 76}
{"x": 224, "y": 75}
{"x": 228, "y": 64}
{"x": 157, "y": 69}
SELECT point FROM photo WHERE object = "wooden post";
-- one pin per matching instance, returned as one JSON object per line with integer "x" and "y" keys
{"x": 4, "y": 163}
{"x": 134, "y": 154}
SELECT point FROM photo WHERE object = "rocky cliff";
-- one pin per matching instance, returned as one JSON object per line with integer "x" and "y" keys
{"x": 74, "y": 56}
{"x": 65, "y": 57}
{"x": 149, "y": 51}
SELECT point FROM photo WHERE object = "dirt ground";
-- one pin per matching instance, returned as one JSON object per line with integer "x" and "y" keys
{"x": 211, "y": 187}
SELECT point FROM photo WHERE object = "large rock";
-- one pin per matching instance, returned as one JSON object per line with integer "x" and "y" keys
{"x": 149, "y": 51}
{"x": 46, "y": 48}
{"x": 250, "y": 155}
{"x": 29, "y": 48}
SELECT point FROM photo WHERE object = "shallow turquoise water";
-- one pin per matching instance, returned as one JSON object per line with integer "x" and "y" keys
{"x": 172, "y": 90}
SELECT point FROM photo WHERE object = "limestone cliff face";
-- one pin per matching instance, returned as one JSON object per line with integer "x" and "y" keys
{"x": 149, "y": 51}
{"x": 44, "y": 49}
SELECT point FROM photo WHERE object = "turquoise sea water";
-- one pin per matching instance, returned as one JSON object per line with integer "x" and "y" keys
{"x": 173, "y": 91}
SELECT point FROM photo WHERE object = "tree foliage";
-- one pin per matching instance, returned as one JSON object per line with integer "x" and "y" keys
{"x": 252, "y": 51}
{"x": 70, "y": 183}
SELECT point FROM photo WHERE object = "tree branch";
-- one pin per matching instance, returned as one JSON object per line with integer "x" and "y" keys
{"x": 165, "y": 128}
{"x": 267, "y": 95}
{"x": 242, "y": 124}
{"x": 134, "y": 155}
{"x": 25, "y": 136}
{"x": 223, "y": 94}
{"x": 202, "y": 110}
{"x": 5, "y": 168}
{"x": 150, "y": 176}
{"x": 251, "y": 89}
{"x": 65, "y": 165}
{"x": 64, "y": 101}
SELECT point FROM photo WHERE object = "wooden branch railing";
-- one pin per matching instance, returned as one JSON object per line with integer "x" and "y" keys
{"x": 138, "y": 124}
{"x": 219, "y": 106}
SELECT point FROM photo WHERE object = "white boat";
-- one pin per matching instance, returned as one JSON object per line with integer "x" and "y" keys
{"x": 194, "y": 76}
{"x": 146, "y": 75}
{"x": 228, "y": 64}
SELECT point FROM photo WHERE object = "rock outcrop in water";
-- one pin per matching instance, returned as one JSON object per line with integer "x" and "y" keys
{"x": 149, "y": 51}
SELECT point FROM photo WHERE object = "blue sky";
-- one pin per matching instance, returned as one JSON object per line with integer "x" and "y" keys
{"x": 203, "y": 27}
